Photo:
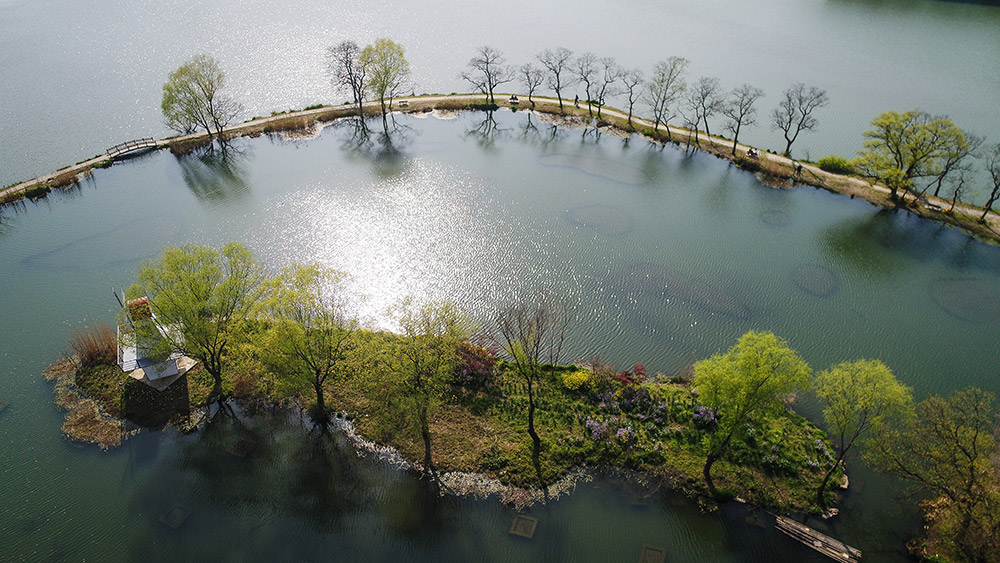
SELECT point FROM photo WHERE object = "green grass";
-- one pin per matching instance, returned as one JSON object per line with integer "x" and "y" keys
{"x": 603, "y": 422}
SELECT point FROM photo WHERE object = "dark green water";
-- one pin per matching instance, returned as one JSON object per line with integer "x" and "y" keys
{"x": 476, "y": 212}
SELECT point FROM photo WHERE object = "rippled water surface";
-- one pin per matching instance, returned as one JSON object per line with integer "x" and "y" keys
{"x": 665, "y": 256}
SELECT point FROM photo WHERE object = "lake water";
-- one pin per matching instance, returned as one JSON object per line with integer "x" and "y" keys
{"x": 477, "y": 213}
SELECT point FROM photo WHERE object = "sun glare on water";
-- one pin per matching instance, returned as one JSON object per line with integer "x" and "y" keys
{"x": 423, "y": 234}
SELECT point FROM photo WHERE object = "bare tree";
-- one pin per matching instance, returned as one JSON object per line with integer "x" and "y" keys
{"x": 532, "y": 77}
{"x": 585, "y": 67}
{"x": 956, "y": 158}
{"x": 532, "y": 335}
{"x": 664, "y": 89}
{"x": 346, "y": 71}
{"x": 706, "y": 99}
{"x": 740, "y": 111}
{"x": 958, "y": 188}
{"x": 488, "y": 71}
{"x": 556, "y": 62}
{"x": 611, "y": 72}
{"x": 632, "y": 80}
{"x": 703, "y": 100}
{"x": 993, "y": 167}
{"x": 794, "y": 113}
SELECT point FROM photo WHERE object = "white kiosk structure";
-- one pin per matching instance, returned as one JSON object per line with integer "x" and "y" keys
{"x": 134, "y": 352}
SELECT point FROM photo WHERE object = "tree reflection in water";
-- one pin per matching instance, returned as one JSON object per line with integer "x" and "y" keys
{"x": 384, "y": 150}
{"x": 217, "y": 173}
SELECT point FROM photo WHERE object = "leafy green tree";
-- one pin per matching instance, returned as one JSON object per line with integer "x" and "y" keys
{"x": 794, "y": 112}
{"x": 312, "y": 330}
{"x": 202, "y": 299}
{"x": 192, "y": 98}
{"x": 387, "y": 70}
{"x": 427, "y": 355}
{"x": 946, "y": 452}
{"x": 901, "y": 148}
{"x": 744, "y": 385}
{"x": 857, "y": 396}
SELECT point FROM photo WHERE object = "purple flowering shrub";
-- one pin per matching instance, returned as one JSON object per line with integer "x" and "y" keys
{"x": 476, "y": 369}
{"x": 705, "y": 418}
{"x": 610, "y": 430}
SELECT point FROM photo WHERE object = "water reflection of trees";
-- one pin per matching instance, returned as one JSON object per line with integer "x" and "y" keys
{"x": 383, "y": 149}
{"x": 269, "y": 463}
{"x": 217, "y": 172}
{"x": 487, "y": 132}
{"x": 544, "y": 137}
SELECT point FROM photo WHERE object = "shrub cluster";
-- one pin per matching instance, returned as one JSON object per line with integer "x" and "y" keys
{"x": 836, "y": 165}
{"x": 476, "y": 369}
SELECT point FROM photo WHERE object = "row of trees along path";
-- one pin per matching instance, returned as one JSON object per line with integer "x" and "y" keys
{"x": 719, "y": 145}
{"x": 192, "y": 99}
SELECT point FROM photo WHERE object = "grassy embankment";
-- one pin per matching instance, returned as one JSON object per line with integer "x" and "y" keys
{"x": 586, "y": 417}
{"x": 771, "y": 169}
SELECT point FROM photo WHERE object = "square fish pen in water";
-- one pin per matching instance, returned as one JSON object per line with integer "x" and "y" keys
{"x": 523, "y": 526}
{"x": 175, "y": 517}
{"x": 652, "y": 554}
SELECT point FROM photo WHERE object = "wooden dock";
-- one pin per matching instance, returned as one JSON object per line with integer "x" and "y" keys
{"x": 834, "y": 549}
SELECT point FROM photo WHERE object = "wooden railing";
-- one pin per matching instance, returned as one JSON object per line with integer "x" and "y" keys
{"x": 129, "y": 146}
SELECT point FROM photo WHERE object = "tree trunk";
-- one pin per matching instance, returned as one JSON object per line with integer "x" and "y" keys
{"x": 788, "y": 149}
{"x": 320, "y": 402}
{"x": 425, "y": 433}
{"x": 989, "y": 204}
{"x": 531, "y": 416}
{"x": 707, "y": 472}
{"x": 214, "y": 368}
{"x": 820, "y": 501}
{"x": 736, "y": 135}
